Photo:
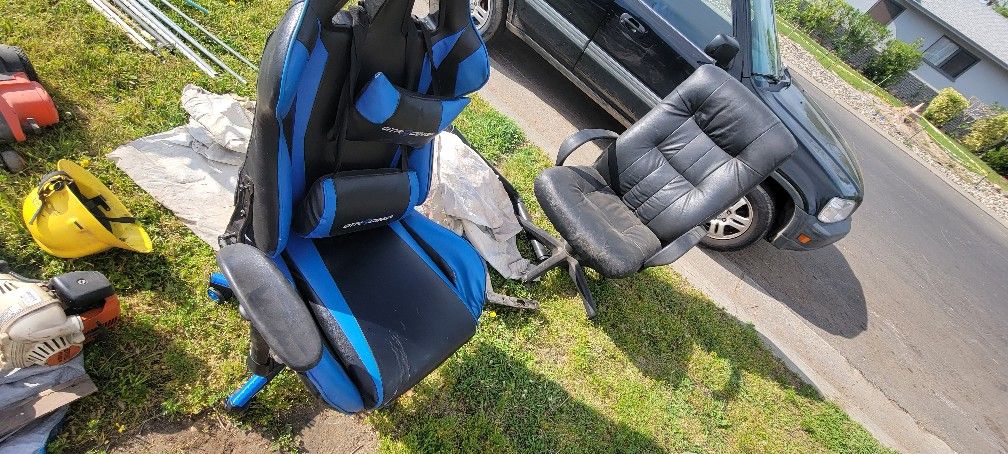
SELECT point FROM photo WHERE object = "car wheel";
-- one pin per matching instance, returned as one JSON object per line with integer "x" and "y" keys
{"x": 743, "y": 224}
{"x": 488, "y": 16}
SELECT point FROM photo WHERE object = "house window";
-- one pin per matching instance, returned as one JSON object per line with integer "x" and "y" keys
{"x": 949, "y": 58}
{"x": 885, "y": 11}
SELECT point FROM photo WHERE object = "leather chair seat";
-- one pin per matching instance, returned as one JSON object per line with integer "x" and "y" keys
{"x": 607, "y": 236}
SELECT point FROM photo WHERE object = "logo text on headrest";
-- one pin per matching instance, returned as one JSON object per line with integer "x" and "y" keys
{"x": 403, "y": 132}
{"x": 353, "y": 225}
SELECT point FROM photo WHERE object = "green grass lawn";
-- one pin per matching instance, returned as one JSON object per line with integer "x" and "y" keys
{"x": 661, "y": 369}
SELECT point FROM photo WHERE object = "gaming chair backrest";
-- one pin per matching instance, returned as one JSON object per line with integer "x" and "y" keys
{"x": 461, "y": 64}
{"x": 312, "y": 71}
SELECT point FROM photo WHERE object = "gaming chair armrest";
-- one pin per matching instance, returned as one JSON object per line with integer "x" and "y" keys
{"x": 272, "y": 305}
{"x": 578, "y": 139}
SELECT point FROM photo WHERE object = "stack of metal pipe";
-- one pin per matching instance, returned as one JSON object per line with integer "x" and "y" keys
{"x": 151, "y": 29}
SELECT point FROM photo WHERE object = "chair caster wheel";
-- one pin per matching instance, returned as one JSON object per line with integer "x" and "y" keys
{"x": 219, "y": 290}
{"x": 12, "y": 161}
{"x": 231, "y": 408}
{"x": 215, "y": 295}
{"x": 219, "y": 295}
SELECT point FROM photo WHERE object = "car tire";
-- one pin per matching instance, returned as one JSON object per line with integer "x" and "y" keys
{"x": 488, "y": 23}
{"x": 741, "y": 225}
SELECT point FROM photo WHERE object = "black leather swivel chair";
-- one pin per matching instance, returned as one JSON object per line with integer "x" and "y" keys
{"x": 643, "y": 202}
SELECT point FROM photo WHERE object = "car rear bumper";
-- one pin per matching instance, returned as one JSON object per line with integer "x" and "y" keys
{"x": 805, "y": 232}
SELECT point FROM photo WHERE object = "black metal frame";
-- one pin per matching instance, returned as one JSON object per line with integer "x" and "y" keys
{"x": 551, "y": 252}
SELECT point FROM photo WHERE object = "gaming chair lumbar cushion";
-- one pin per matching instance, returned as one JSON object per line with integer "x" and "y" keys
{"x": 349, "y": 101}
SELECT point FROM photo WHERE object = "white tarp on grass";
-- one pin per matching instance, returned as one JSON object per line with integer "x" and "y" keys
{"x": 19, "y": 384}
{"x": 192, "y": 170}
{"x": 467, "y": 197}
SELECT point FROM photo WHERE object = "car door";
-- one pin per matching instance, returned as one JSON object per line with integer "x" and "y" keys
{"x": 645, "y": 48}
{"x": 560, "y": 28}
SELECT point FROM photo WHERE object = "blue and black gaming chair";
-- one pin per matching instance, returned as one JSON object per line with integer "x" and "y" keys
{"x": 340, "y": 278}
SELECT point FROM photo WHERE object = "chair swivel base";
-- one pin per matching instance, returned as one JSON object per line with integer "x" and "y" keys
{"x": 559, "y": 254}
{"x": 240, "y": 399}
{"x": 263, "y": 369}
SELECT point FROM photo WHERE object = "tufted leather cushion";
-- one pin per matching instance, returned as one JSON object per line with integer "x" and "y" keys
{"x": 706, "y": 145}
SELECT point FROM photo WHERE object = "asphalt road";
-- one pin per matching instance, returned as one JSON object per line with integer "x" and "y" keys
{"x": 916, "y": 297}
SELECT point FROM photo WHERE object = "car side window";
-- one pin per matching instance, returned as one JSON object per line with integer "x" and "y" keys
{"x": 698, "y": 20}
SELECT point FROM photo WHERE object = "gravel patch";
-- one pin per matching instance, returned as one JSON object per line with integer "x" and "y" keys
{"x": 900, "y": 124}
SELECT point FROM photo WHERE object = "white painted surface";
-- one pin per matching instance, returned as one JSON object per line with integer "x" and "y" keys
{"x": 863, "y": 5}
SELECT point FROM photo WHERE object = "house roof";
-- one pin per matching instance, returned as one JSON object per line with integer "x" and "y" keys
{"x": 972, "y": 21}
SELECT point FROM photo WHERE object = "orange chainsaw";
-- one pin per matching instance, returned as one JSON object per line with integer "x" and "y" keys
{"x": 48, "y": 322}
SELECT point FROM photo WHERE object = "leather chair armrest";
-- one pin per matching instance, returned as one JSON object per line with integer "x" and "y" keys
{"x": 578, "y": 139}
{"x": 272, "y": 305}
{"x": 677, "y": 248}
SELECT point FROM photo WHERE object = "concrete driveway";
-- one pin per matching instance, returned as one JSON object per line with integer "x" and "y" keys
{"x": 911, "y": 308}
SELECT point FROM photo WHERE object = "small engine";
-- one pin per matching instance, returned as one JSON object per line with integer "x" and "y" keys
{"x": 48, "y": 322}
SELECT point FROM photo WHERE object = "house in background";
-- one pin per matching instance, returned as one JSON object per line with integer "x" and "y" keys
{"x": 965, "y": 44}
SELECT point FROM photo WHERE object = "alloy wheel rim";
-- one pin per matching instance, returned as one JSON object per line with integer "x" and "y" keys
{"x": 733, "y": 222}
{"x": 480, "y": 13}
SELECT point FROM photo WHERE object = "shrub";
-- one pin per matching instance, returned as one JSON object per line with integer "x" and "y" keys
{"x": 1001, "y": 8}
{"x": 827, "y": 18}
{"x": 947, "y": 105}
{"x": 819, "y": 17}
{"x": 788, "y": 10}
{"x": 895, "y": 60}
{"x": 998, "y": 160}
{"x": 857, "y": 31}
{"x": 986, "y": 133}
{"x": 838, "y": 25}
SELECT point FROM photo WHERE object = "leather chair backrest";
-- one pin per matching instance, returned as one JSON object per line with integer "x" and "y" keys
{"x": 707, "y": 144}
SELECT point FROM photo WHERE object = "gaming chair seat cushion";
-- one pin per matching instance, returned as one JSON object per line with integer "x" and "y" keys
{"x": 601, "y": 229}
{"x": 393, "y": 302}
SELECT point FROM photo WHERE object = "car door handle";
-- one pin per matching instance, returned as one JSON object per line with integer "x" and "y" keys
{"x": 632, "y": 24}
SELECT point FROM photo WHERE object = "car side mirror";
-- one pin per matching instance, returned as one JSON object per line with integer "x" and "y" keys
{"x": 722, "y": 49}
